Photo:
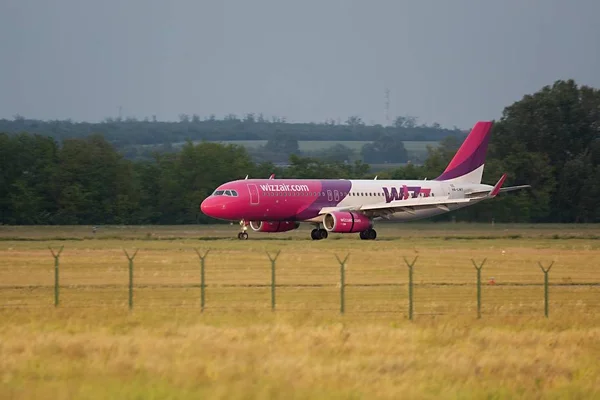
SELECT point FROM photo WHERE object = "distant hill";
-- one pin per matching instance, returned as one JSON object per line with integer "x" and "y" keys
{"x": 134, "y": 132}
{"x": 326, "y": 141}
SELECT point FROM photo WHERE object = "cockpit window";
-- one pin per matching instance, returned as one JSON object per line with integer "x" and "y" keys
{"x": 228, "y": 192}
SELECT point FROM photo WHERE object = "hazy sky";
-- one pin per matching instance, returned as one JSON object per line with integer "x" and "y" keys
{"x": 450, "y": 61}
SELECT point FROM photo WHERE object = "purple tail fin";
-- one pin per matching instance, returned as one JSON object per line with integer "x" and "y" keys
{"x": 467, "y": 164}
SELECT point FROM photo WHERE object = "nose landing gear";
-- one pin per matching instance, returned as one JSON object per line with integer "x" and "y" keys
{"x": 243, "y": 235}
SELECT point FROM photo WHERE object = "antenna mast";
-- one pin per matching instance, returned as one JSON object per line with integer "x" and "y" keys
{"x": 387, "y": 107}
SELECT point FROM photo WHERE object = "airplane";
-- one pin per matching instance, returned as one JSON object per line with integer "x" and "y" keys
{"x": 353, "y": 206}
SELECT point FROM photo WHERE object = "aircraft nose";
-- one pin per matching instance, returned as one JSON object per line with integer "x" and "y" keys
{"x": 207, "y": 206}
{"x": 212, "y": 207}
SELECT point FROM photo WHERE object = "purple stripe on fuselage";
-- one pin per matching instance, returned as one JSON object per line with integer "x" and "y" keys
{"x": 332, "y": 193}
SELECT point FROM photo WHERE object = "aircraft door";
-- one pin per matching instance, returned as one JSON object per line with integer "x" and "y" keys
{"x": 253, "y": 190}
{"x": 329, "y": 195}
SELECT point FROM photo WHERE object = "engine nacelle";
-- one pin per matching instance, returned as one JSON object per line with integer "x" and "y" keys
{"x": 346, "y": 222}
{"x": 273, "y": 226}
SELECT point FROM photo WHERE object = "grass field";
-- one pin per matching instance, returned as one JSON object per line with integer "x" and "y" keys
{"x": 92, "y": 347}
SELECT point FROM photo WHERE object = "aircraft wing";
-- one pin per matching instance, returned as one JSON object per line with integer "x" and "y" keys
{"x": 409, "y": 205}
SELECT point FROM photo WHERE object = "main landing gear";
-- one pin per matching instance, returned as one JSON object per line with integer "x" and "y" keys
{"x": 369, "y": 234}
{"x": 318, "y": 234}
{"x": 243, "y": 235}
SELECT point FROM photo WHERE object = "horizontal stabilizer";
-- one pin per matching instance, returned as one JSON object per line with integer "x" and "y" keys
{"x": 511, "y": 188}
{"x": 496, "y": 190}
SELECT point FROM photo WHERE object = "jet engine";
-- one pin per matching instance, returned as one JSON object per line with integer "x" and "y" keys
{"x": 346, "y": 222}
{"x": 273, "y": 226}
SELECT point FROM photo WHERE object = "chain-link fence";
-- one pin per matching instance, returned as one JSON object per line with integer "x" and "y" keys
{"x": 237, "y": 281}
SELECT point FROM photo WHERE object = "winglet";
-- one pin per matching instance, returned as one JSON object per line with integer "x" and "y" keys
{"x": 497, "y": 187}
{"x": 246, "y": 177}
{"x": 272, "y": 176}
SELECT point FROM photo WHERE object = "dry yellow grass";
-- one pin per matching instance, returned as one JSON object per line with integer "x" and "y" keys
{"x": 92, "y": 347}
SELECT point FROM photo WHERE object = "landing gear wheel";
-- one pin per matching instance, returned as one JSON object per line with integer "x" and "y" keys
{"x": 369, "y": 234}
{"x": 314, "y": 234}
{"x": 243, "y": 235}
{"x": 318, "y": 234}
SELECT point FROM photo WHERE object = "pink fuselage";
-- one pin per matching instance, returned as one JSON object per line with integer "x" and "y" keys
{"x": 304, "y": 199}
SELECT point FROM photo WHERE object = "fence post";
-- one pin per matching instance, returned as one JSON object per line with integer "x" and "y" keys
{"x": 273, "y": 259}
{"x": 545, "y": 271}
{"x": 56, "y": 281}
{"x": 202, "y": 282}
{"x": 342, "y": 281}
{"x": 478, "y": 268}
{"x": 130, "y": 258}
{"x": 410, "y": 286}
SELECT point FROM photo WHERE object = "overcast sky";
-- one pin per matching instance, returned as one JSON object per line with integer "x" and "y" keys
{"x": 449, "y": 61}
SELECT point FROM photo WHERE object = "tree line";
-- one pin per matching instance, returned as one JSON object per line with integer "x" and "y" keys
{"x": 550, "y": 140}
{"x": 87, "y": 181}
{"x": 137, "y": 139}
{"x": 131, "y": 131}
